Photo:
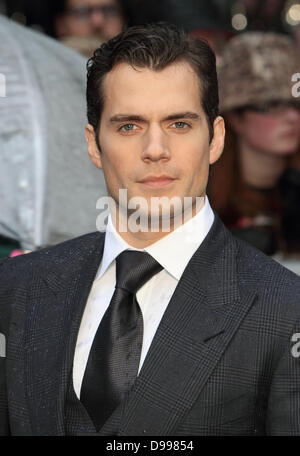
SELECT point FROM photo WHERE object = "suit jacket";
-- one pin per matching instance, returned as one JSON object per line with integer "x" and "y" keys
{"x": 222, "y": 362}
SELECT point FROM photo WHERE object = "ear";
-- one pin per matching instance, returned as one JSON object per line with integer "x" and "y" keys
{"x": 93, "y": 150}
{"x": 217, "y": 143}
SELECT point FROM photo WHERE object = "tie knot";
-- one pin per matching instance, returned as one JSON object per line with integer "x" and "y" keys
{"x": 134, "y": 268}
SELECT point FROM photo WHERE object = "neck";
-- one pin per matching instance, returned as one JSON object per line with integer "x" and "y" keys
{"x": 147, "y": 236}
{"x": 260, "y": 169}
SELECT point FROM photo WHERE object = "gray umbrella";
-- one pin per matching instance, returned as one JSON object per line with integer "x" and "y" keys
{"x": 48, "y": 186}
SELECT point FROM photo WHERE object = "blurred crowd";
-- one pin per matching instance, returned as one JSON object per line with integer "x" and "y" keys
{"x": 255, "y": 186}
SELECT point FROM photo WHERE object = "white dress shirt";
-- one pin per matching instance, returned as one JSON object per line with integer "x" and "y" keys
{"x": 173, "y": 252}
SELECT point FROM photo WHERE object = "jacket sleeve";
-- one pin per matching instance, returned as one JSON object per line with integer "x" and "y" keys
{"x": 4, "y": 317}
{"x": 283, "y": 417}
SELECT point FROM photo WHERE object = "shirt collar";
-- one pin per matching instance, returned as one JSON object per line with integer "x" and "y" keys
{"x": 173, "y": 251}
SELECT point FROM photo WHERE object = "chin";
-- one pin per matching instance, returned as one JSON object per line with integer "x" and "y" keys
{"x": 290, "y": 146}
{"x": 289, "y": 151}
{"x": 285, "y": 150}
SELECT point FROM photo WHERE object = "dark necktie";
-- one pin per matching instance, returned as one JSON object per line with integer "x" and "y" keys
{"x": 115, "y": 353}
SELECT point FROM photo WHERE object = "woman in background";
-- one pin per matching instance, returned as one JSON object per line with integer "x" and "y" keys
{"x": 255, "y": 186}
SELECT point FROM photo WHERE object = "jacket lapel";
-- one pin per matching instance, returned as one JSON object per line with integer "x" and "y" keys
{"x": 205, "y": 311}
{"x": 56, "y": 304}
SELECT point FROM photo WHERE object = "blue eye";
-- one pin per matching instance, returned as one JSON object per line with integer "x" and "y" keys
{"x": 180, "y": 125}
{"x": 128, "y": 127}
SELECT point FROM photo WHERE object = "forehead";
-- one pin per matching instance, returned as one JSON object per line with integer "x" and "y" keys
{"x": 128, "y": 89}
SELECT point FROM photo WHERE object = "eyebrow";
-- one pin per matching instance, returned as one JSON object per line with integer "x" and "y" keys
{"x": 136, "y": 118}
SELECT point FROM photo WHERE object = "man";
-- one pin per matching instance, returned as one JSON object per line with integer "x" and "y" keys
{"x": 85, "y": 24}
{"x": 102, "y": 19}
{"x": 205, "y": 341}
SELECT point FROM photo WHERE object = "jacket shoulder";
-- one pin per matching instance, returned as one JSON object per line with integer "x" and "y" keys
{"x": 256, "y": 263}
{"x": 20, "y": 267}
{"x": 277, "y": 287}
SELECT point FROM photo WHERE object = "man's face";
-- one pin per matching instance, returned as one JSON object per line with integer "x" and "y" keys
{"x": 274, "y": 133}
{"x": 154, "y": 134}
{"x": 86, "y": 18}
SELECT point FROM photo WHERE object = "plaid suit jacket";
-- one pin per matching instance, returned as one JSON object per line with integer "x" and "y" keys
{"x": 224, "y": 359}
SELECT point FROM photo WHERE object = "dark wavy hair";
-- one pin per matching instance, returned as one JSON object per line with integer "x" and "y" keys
{"x": 153, "y": 46}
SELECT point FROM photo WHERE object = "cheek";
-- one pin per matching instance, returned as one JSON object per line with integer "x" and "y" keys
{"x": 117, "y": 163}
{"x": 193, "y": 163}
{"x": 261, "y": 133}
{"x": 77, "y": 28}
{"x": 112, "y": 167}
{"x": 114, "y": 27}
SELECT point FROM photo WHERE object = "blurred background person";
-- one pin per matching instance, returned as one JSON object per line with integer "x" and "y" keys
{"x": 48, "y": 186}
{"x": 80, "y": 24}
{"x": 102, "y": 19}
{"x": 85, "y": 24}
{"x": 248, "y": 185}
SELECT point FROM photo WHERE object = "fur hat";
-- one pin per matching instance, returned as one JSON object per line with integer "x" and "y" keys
{"x": 256, "y": 68}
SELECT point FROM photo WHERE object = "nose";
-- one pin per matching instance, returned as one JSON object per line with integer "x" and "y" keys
{"x": 155, "y": 146}
{"x": 292, "y": 114}
{"x": 97, "y": 18}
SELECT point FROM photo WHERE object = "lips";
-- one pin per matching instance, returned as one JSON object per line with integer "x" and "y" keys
{"x": 291, "y": 133}
{"x": 157, "y": 181}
